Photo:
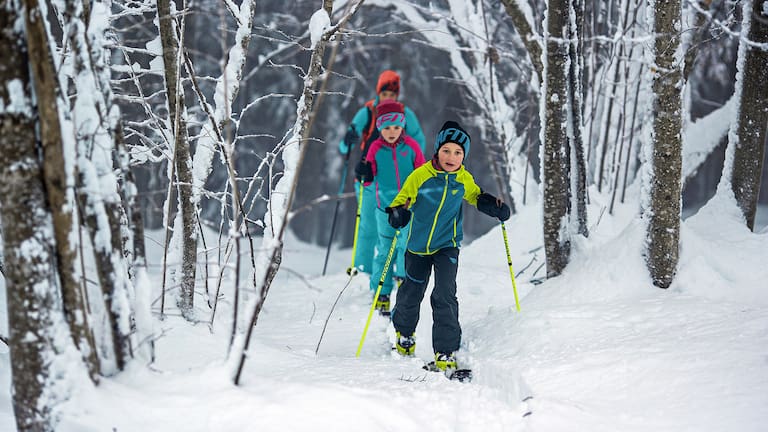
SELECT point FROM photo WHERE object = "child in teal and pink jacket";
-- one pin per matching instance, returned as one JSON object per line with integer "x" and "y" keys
{"x": 390, "y": 159}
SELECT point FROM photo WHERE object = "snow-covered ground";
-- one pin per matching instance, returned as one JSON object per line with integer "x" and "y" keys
{"x": 598, "y": 348}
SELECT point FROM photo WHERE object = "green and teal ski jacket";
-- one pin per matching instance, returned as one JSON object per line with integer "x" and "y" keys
{"x": 434, "y": 198}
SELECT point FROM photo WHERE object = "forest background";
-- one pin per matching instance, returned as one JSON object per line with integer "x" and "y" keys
{"x": 121, "y": 116}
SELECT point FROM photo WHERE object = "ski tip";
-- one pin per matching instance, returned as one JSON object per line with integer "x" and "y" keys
{"x": 462, "y": 375}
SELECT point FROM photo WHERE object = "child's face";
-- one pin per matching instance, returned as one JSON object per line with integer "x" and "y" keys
{"x": 387, "y": 95}
{"x": 450, "y": 156}
{"x": 391, "y": 133}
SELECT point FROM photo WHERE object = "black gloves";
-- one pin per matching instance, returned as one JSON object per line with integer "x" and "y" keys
{"x": 364, "y": 172}
{"x": 350, "y": 139}
{"x": 398, "y": 216}
{"x": 492, "y": 206}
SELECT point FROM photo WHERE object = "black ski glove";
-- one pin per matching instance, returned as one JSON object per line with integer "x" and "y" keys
{"x": 364, "y": 172}
{"x": 350, "y": 139}
{"x": 492, "y": 206}
{"x": 398, "y": 216}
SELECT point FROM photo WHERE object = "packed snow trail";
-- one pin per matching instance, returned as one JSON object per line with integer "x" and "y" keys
{"x": 597, "y": 348}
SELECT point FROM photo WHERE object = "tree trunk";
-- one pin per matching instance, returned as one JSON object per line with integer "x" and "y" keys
{"x": 555, "y": 161}
{"x": 523, "y": 28}
{"x": 182, "y": 158}
{"x": 97, "y": 187}
{"x": 663, "y": 209}
{"x": 328, "y": 6}
{"x": 700, "y": 33}
{"x": 749, "y": 148}
{"x": 35, "y": 315}
{"x": 576, "y": 105}
{"x": 57, "y": 179}
{"x": 277, "y": 217}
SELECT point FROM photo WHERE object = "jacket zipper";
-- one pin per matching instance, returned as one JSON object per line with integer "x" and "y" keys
{"x": 437, "y": 213}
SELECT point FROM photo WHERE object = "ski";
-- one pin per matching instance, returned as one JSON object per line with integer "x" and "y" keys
{"x": 460, "y": 375}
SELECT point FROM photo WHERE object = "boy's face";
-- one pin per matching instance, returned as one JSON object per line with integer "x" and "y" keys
{"x": 450, "y": 156}
{"x": 391, "y": 133}
{"x": 387, "y": 95}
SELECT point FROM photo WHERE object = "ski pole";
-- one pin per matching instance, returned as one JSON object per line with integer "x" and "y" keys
{"x": 336, "y": 210}
{"x": 378, "y": 290}
{"x": 352, "y": 270}
{"x": 509, "y": 262}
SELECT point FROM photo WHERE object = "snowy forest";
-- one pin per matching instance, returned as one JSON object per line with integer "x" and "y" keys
{"x": 160, "y": 161}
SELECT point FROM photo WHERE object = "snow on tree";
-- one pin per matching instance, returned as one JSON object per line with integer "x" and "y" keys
{"x": 44, "y": 361}
{"x": 281, "y": 198}
{"x": 747, "y": 136}
{"x": 59, "y": 172}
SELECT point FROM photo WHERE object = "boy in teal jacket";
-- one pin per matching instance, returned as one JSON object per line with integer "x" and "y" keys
{"x": 433, "y": 194}
{"x": 361, "y": 133}
{"x": 390, "y": 160}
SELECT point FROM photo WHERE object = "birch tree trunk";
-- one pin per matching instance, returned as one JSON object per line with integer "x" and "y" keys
{"x": 282, "y": 197}
{"x": 37, "y": 337}
{"x": 664, "y": 164}
{"x": 182, "y": 158}
{"x": 525, "y": 31}
{"x": 555, "y": 159}
{"x": 97, "y": 185}
{"x": 58, "y": 183}
{"x": 750, "y": 134}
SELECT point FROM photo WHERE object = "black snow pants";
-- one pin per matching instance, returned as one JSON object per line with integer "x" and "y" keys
{"x": 446, "y": 332}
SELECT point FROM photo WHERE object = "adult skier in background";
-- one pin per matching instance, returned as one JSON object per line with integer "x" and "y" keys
{"x": 433, "y": 194}
{"x": 361, "y": 133}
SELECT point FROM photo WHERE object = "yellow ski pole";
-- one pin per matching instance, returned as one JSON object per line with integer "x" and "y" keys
{"x": 352, "y": 270}
{"x": 509, "y": 261}
{"x": 378, "y": 290}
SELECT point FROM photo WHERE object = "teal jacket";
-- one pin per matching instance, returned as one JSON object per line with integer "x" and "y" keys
{"x": 434, "y": 198}
{"x": 392, "y": 164}
{"x": 364, "y": 120}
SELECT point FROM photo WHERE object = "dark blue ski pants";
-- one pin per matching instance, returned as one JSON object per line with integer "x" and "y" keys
{"x": 446, "y": 332}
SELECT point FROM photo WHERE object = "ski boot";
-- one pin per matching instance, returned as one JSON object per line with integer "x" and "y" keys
{"x": 445, "y": 362}
{"x": 382, "y": 305}
{"x": 406, "y": 345}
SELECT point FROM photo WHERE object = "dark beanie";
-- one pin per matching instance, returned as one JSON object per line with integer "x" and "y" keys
{"x": 452, "y": 132}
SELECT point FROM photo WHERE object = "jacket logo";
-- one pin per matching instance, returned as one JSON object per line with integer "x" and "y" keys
{"x": 404, "y": 153}
{"x": 453, "y": 192}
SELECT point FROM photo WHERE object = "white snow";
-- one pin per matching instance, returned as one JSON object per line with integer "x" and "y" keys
{"x": 600, "y": 348}
{"x": 18, "y": 102}
{"x": 318, "y": 24}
